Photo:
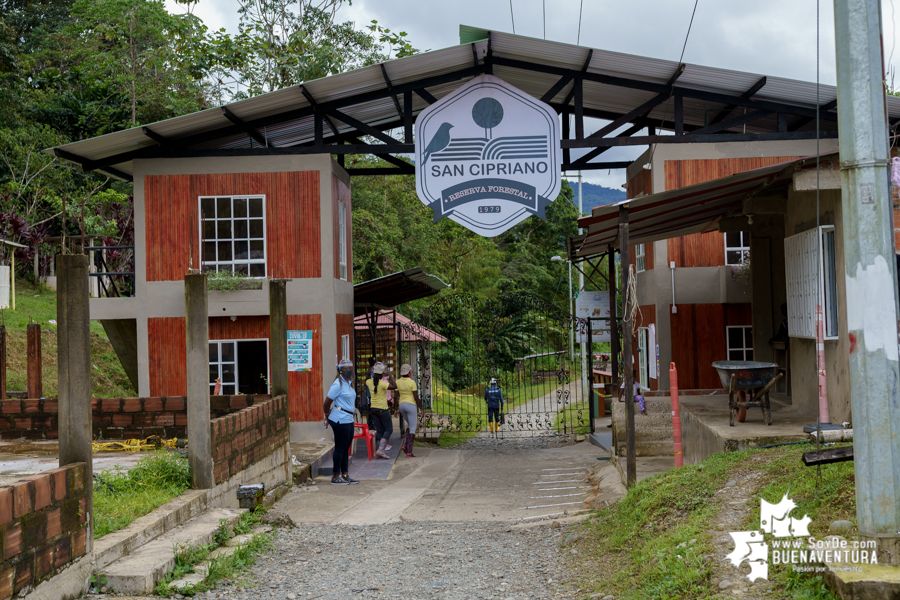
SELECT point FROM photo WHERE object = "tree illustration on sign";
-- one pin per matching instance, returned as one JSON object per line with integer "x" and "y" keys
{"x": 487, "y": 113}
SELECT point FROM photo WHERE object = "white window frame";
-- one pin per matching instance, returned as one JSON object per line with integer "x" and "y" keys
{"x": 643, "y": 356}
{"x": 208, "y": 265}
{"x": 808, "y": 284}
{"x": 342, "y": 238}
{"x": 743, "y": 349}
{"x": 345, "y": 347}
{"x": 640, "y": 258}
{"x": 743, "y": 248}
{"x": 212, "y": 384}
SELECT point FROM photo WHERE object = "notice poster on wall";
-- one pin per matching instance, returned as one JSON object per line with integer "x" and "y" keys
{"x": 299, "y": 345}
{"x": 593, "y": 305}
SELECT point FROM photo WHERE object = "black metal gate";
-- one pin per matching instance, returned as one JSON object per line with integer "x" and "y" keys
{"x": 458, "y": 343}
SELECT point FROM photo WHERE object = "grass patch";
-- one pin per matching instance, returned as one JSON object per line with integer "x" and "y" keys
{"x": 630, "y": 549}
{"x": 574, "y": 418}
{"x": 36, "y": 306}
{"x": 122, "y": 496}
{"x": 221, "y": 567}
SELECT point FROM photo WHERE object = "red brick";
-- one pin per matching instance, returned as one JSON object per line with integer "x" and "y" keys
{"x": 82, "y": 511}
{"x": 164, "y": 419}
{"x": 53, "y": 434}
{"x": 31, "y": 406}
{"x": 43, "y": 562}
{"x": 238, "y": 402}
{"x": 13, "y": 541}
{"x": 76, "y": 478}
{"x": 181, "y": 419}
{"x": 78, "y": 540}
{"x": 23, "y": 423}
{"x": 42, "y": 495}
{"x": 51, "y": 406}
{"x": 132, "y": 405}
{"x": 153, "y": 404}
{"x": 143, "y": 420}
{"x": 6, "y": 582}
{"x": 62, "y": 551}
{"x": 10, "y": 406}
{"x": 23, "y": 575}
{"x": 175, "y": 404}
{"x": 112, "y": 405}
{"x": 6, "y": 505}
{"x": 54, "y": 524}
{"x": 22, "y": 494}
{"x": 94, "y": 403}
{"x": 122, "y": 420}
{"x": 103, "y": 419}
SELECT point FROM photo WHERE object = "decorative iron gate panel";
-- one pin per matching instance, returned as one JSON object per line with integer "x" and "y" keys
{"x": 457, "y": 344}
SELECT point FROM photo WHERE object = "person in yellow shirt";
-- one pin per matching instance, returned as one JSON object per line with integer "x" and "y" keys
{"x": 380, "y": 411}
{"x": 409, "y": 406}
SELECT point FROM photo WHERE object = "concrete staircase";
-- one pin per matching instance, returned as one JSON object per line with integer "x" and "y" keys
{"x": 132, "y": 560}
{"x": 653, "y": 433}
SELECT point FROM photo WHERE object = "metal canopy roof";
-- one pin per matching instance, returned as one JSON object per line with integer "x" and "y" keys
{"x": 409, "y": 330}
{"x": 674, "y": 213}
{"x": 396, "y": 288}
{"x": 332, "y": 114}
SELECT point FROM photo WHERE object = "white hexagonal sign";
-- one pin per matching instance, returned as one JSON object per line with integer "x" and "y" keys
{"x": 488, "y": 156}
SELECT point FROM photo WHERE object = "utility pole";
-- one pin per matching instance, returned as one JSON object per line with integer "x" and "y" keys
{"x": 870, "y": 272}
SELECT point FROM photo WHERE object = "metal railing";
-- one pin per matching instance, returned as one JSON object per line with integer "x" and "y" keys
{"x": 109, "y": 266}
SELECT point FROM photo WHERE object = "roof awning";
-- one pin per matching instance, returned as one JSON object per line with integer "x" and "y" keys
{"x": 675, "y": 213}
{"x": 410, "y": 331}
{"x": 396, "y": 288}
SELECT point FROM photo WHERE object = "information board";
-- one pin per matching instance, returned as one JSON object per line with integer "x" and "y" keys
{"x": 299, "y": 344}
{"x": 593, "y": 305}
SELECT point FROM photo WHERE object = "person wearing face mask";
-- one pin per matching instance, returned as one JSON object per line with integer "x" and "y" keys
{"x": 340, "y": 406}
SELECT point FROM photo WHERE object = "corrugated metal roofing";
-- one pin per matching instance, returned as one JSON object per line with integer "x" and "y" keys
{"x": 397, "y": 288}
{"x": 287, "y": 129}
{"x": 683, "y": 211}
{"x": 410, "y": 333}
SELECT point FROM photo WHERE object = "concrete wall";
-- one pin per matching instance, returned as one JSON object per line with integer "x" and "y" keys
{"x": 325, "y": 295}
{"x": 801, "y": 216}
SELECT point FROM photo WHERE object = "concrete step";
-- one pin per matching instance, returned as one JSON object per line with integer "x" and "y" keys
{"x": 201, "y": 569}
{"x": 647, "y": 448}
{"x": 139, "y": 572}
{"x": 113, "y": 546}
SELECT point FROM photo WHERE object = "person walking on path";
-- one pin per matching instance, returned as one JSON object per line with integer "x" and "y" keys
{"x": 494, "y": 399}
{"x": 340, "y": 407}
{"x": 379, "y": 385}
{"x": 409, "y": 405}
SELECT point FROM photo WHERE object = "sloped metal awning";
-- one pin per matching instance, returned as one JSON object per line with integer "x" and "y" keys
{"x": 410, "y": 331}
{"x": 339, "y": 114}
{"x": 394, "y": 289}
{"x": 675, "y": 213}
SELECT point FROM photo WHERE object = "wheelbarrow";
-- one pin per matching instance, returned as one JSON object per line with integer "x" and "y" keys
{"x": 747, "y": 378}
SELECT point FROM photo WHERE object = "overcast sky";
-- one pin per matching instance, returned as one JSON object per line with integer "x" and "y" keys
{"x": 768, "y": 37}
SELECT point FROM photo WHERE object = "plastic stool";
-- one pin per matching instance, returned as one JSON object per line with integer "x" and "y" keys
{"x": 364, "y": 433}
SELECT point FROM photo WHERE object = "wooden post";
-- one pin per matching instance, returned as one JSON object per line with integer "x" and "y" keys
{"x": 2, "y": 362}
{"x": 625, "y": 249}
{"x": 614, "y": 320}
{"x": 278, "y": 353}
{"x": 33, "y": 386}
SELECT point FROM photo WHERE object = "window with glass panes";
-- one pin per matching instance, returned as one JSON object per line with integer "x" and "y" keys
{"x": 223, "y": 366}
{"x": 740, "y": 342}
{"x": 639, "y": 260}
{"x": 737, "y": 247}
{"x": 233, "y": 229}
{"x": 345, "y": 347}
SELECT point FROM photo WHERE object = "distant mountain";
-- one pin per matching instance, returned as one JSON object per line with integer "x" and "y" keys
{"x": 596, "y": 195}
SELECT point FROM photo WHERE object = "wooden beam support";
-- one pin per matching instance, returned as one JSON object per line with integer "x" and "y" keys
{"x": 625, "y": 250}
{"x": 690, "y": 138}
{"x": 679, "y": 114}
{"x": 730, "y": 107}
{"x": 733, "y": 122}
{"x": 155, "y": 136}
{"x": 34, "y": 387}
{"x": 557, "y": 88}
{"x": 315, "y": 107}
{"x": 426, "y": 96}
{"x": 582, "y": 163}
{"x": 390, "y": 87}
{"x": 364, "y": 127}
{"x": 806, "y": 120}
{"x": 579, "y": 109}
{"x": 407, "y": 117}
{"x": 827, "y": 456}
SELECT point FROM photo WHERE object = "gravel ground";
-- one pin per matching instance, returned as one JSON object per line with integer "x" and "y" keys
{"x": 515, "y": 441}
{"x": 405, "y": 561}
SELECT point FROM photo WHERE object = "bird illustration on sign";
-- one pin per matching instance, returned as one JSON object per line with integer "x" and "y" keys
{"x": 438, "y": 142}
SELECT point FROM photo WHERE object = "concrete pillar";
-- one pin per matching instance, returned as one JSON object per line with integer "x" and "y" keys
{"x": 74, "y": 337}
{"x": 278, "y": 354}
{"x": 33, "y": 385}
{"x": 2, "y": 362}
{"x": 196, "y": 324}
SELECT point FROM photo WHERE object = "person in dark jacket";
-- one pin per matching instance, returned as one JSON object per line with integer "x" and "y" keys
{"x": 494, "y": 399}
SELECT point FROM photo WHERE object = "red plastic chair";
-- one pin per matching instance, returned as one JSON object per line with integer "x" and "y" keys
{"x": 364, "y": 433}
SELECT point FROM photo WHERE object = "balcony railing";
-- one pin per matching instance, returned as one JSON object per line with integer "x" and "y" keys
{"x": 112, "y": 270}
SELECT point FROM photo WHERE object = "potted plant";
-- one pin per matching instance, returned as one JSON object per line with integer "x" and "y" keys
{"x": 223, "y": 281}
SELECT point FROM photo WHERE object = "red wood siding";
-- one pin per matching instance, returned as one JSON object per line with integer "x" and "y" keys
{"x": 642, "y": 182}
{"x": 706, "y": 249}
{"x": 344, "y": 326}
{"x": 166, "y": 341}
{"x": 341, "y": 193}
{"x": 243, "y": 328}
{"x": 698, "y": 339}
{"x": 293, "y": 239}
{"x": 648, "y": 316}
{"x": 305, "y": 388}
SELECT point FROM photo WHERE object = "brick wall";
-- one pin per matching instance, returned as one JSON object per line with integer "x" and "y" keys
{"x": 248, "y": 436}
{"x": 43, "y": 527}
{"x": 113, "y": 418}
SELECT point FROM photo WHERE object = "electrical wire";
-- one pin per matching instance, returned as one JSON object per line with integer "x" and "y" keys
{"x": 544, "y": 7}
{"x": 512, "y": 17}
{"x": 819, "y": 287}
{"x": 581, "y": 11}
